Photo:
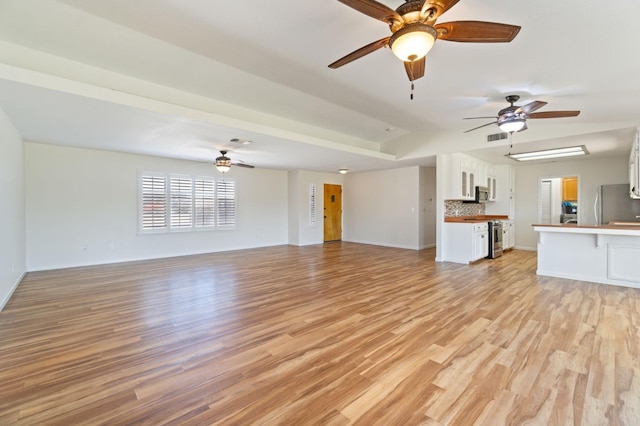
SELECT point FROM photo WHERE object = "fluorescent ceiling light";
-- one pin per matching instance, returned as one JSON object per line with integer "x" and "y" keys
{"x": 550, "y": 153}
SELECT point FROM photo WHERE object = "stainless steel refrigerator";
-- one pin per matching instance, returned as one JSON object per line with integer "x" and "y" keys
{"x": 613, "y": 204}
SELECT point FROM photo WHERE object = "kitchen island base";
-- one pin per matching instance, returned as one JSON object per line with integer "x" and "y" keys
{"x": 600, "y": 254}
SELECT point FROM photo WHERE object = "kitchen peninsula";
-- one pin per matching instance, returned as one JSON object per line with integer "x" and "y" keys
{"x": 607, "y": 254}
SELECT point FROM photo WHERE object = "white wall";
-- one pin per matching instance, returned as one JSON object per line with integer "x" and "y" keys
{"x": 294, "y": 207}
{"x": 382, "y": 208}
{"x": 428, "y": 201}
{"x": 299, "y": 187}
{"x": 591, "y": 174}
{"x": 12, "y": 209}
{"x": 77, "y": 198}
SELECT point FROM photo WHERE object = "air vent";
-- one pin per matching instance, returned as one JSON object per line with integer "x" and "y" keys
{"x": 497, "y": 137}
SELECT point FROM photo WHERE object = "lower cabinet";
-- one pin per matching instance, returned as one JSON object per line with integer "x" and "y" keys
{"x": 465, "y": 242}
{"x": 508, "y": 235}
{"x": 480, "y": 242}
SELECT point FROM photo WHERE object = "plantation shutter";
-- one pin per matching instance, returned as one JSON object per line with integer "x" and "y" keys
{"x": 204, "y": 202}
{"x": 154, "y": 202}
{"x": 181, "y": 190}
{"x": 226, "y": 202}
{"x": 312, "y": 204}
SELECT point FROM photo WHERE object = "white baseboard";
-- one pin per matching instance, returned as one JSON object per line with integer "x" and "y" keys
{"x": 586, "y": 278}
{"x": 375, "y": 243}
{"x": 136, "y": 259}
{"x": 4, "y": 301}
{"x": 526, "y": 248}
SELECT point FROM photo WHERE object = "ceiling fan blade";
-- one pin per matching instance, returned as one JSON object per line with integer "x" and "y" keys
{"x": 372, "y": 47}
{"x": 480, "y": 127}
{"x": 375, "y": 10}
{"x": 530, "y": 107}
{"x": 554, "y": 114}
{"x": 248, "y": 166}
{"x": 477, "y": 32}
{"x": 473, "y": 118}
{"x": 415, "y": 69}
{"x": 441, "y": 6}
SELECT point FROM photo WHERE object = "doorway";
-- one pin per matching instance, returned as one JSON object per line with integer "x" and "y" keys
{"x": 332, "y": 212}
{"x": 558, "y": 200}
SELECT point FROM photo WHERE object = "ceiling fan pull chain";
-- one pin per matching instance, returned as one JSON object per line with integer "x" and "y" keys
{"x": 412, "y": 87}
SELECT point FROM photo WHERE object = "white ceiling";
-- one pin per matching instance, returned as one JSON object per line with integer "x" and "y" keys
{"x": 180, "y": 78}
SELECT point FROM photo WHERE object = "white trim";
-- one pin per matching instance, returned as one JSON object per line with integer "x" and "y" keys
{"x": 11, "y": 291}
{"x": 374, "y": 243}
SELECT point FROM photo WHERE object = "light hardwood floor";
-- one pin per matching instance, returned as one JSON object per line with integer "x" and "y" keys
{"x": 332, "y": 334}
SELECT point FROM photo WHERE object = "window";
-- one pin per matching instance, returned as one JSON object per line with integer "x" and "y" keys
{"x": 312, "y": 204}
{"x": 181, "y": 193}
{"x": 226, "y": 202}
{"x": 154, "y": 201}
{"x": 180, "y": 202}
{"x": 204, "y": 202}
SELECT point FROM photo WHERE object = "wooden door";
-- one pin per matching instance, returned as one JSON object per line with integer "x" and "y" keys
{"x": 332, "y": 212}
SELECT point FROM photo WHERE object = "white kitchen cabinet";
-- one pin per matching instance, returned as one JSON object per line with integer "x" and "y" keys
{"x": 468, "y": 188}
{"x": 512, "y": 234}
{"x": 462, "y": 172}
{"x": 512, "y": 179}
{"x": 482, "y": 171}
{"x": 504, "y": 203}
{"x": 508, "y": 235}
{"x": 492, "y": 184}
{"x": 465, "y": 242}
{"x": 480, "y": 242}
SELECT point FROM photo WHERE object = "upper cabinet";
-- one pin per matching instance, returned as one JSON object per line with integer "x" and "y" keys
{"x": 570, "y": 189}
{"x": 462, "y": 173}
{"x": 492, "y": 182}
{"x": 505, "y": 197}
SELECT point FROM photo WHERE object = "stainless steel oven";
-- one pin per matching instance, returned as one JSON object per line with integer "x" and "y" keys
{"x": 495, "y": 239}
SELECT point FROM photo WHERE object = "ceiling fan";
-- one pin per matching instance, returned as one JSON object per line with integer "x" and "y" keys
{"x": 514, "y": 118}
{"x": 414, "y": 31}
{"x": 223, "y": 163}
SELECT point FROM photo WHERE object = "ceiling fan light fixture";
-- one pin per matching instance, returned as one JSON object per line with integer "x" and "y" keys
{"x": 223, "y": 163}
{"x": 512, "y": 125}
{"x": 413, "y": 42}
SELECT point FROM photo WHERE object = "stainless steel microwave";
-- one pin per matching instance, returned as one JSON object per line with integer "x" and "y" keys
{"x": 482, "y": 194}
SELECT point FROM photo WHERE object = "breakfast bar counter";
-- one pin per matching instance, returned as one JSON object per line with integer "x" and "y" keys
{"x": 607, "y": 254}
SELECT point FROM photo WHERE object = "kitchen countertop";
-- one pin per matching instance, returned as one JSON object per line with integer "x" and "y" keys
{"x": 475, "y": 219}
{"x": 625, "y": 225}
{"x": 608, "y": 229}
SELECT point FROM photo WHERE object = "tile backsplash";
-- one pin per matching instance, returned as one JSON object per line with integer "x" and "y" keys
{"x": 458, "y": 208}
